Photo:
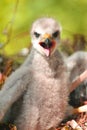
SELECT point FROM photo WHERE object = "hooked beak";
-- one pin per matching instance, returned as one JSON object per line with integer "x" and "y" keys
{"x": 48, "y": 44}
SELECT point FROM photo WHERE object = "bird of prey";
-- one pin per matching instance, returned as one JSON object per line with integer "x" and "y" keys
{"x": 35, "y": 96}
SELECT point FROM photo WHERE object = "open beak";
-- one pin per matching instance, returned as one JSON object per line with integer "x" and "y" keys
{"x": 48, "y": 44}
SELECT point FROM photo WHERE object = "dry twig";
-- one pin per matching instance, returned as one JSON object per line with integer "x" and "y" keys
{"x": 81, "y": 109}
{"x": 77, "y": 82}
{"x": 74, "y": 125}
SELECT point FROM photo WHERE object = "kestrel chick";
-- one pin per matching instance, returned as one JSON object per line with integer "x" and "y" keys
{"x": 35, "y": 96}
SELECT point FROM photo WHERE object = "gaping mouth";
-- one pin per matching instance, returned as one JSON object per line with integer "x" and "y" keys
{"x": 48, "y": 46}
{"x": 45, "y": 45}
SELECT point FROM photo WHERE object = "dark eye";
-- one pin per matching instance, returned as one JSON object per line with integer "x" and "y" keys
{"x": 55, "y": 34}
{"x": 36, "y": 34}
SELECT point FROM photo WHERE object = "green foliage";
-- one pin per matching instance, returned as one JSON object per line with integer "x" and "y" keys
{"x": 16, "y": 17}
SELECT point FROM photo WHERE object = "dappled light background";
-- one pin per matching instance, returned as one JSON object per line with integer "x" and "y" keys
{"x": 16, "y": 17}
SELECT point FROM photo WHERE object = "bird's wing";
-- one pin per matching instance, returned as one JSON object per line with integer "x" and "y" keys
{"x": 78, "y": 58}
{"x": 71, "y": 62}
{"x": 13, "y": 88}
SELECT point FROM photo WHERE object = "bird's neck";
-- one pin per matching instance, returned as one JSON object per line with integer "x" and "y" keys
{"x": 46, "y": 64}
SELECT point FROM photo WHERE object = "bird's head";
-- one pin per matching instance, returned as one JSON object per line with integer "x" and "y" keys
{"x": 45, "y": 35}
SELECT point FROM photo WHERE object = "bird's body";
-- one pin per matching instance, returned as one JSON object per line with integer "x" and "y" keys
{"x": 38, "y": 91}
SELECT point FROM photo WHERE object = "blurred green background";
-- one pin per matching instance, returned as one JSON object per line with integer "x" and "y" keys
{"x": 16, "y": 17}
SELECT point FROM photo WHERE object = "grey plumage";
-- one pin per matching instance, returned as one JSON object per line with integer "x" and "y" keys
{"x": 35, "y": 96}
{"x": 77, "y": 64}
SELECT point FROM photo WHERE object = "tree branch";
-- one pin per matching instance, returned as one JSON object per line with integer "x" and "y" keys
{"x": 78, "y": 81}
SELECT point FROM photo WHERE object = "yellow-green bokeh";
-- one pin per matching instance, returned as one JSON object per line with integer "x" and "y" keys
{"x": 71, "y": 14}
